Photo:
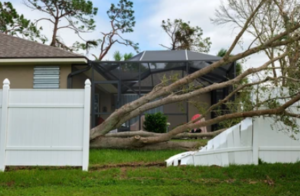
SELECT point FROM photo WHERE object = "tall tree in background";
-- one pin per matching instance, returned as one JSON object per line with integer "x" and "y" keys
{"x": 76, "y": 15}
{"x": 122, "y": 21}
{"x": 12, "y": 23}
{"x": 185, "y": 37}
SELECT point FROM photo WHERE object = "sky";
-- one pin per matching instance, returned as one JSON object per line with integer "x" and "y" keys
{"x": 148, "y": 31}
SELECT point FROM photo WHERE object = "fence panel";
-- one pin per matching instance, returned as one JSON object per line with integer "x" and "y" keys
{"x": 246, "y": 143}
{"x": 278, "y": 143}
{"x": 0, "y": 110}
{"x": 48, "y": 127}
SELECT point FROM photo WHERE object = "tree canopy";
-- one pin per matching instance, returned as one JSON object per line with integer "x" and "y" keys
{"x": 76, "y": 15}
{"x": 122, "y": 21}
{"x": 185, "y": 37}
{"x": 12, "y": 23}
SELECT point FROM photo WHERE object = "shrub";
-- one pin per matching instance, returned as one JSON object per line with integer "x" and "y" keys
{"x": 155, "y": 123}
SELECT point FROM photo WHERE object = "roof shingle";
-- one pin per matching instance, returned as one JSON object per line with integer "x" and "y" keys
{"x": 14, "y": 47}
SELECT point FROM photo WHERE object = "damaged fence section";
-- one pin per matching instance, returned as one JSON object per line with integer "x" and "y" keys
{"x": 245, "y": 143}
{"x": 44, "y": 127}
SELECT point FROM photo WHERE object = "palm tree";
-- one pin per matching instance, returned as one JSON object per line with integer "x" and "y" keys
{"x": 118, "y": 56}
{"x": 127, "y": 56}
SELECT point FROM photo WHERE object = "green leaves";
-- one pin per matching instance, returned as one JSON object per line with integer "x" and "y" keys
{"x": 119, "y": 57}
{"x": 86, "y": 45}
{"x": 76, "y": 15}
{"x": 14, "y": 24}
{"x": 122, "y": 15}
{"x": 127, "y": 56}
{"x": 155, "y": 123}
{"x": 122, "y": 21}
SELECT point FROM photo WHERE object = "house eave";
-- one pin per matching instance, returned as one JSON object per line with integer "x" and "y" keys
{"x": 18, "y": 61}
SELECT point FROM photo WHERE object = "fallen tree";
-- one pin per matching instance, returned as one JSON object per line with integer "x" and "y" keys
{"x": 174, "y": 92}
{"x": 151, "y": 134}
{"x": 117, "y": 141}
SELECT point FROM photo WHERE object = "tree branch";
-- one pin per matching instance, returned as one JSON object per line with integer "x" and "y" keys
{"x": 245, "y": 27}
{"x": 44, "y": 19}
{"x": 277, "y": 111}
{"x": 215, "y": 86}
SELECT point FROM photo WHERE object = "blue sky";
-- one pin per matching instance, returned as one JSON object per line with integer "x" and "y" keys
{"x": 148, "y": 32}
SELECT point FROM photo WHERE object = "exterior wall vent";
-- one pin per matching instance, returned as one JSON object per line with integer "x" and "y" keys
{"x": 46, "y": 77}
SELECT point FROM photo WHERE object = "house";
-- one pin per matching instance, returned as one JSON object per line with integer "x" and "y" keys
{"x": 28, "y": 64}
{"x": 32, "y": 65}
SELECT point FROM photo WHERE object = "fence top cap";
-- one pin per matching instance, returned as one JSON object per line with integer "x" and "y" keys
{"x": 87, "y": 82}
{"x": 6, "y": 81}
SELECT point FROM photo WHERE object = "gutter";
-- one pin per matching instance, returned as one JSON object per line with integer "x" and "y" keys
{"x": 70, "y": 76}
{"x": 43, "y": 60}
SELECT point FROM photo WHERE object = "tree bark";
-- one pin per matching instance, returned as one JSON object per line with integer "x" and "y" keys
{"x": 150, "y": 134}
{"x": 133, "y": 143}
{"x": 53, "y": 41}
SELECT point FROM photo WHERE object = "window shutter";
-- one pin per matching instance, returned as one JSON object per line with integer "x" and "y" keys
{"x": 46, "y": 77}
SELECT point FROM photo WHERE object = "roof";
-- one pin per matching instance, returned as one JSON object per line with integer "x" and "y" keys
{"x": 173, "y": 55}
{"x": 14, "y": 47}
{"x": 149, "y": 67}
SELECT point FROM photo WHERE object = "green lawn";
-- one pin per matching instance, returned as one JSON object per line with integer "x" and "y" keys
{"x": 265, "y": 179}
{"x": 105, "y": 157}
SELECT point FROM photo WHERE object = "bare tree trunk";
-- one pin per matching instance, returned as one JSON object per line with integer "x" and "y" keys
{"x": 150, "y": 134}
{"x": 130, "y": 140}
{"x": 53, "y": 41}
{"x": 133, "y": 143}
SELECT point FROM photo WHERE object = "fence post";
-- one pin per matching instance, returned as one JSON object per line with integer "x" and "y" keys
{"x": 86, "y": 125}
{"x": 3, "y": 126}
{"x": 255, "y": 127}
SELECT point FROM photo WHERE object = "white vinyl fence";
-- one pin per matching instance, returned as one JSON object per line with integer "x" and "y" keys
{"x": 42, "y": 127}
{"x": 252, "y": 139}
{"x": 246, "y": 143}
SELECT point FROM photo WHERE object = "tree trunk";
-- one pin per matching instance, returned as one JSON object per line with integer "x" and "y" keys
{"x": 53, "y": 41}
{"x": 131, "y": 140}
{"x": 150, "y": 134}
{"x": 132, "y": 143}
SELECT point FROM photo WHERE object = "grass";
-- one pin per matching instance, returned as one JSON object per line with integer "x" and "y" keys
{"x": 202, "y": 142}
{"x": 265, "y": 179}
{"x": 104, "y": 157}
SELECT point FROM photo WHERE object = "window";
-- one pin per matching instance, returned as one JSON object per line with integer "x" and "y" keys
{"x": 46, "y": 77}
